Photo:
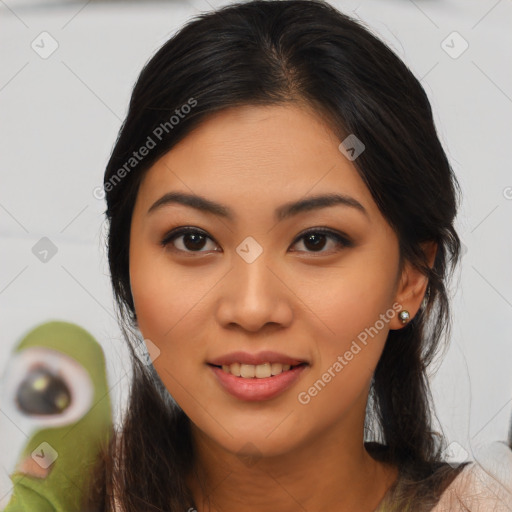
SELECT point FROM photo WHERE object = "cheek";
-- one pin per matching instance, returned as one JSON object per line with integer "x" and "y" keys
{"x": 170, "y": 305}
{"x": 348, "y": 299}
{"x": 165, "y": 296}
{"x": 170, "y": 320}
{"x": 150, "y": 296}
{"x": 352, "y": 309}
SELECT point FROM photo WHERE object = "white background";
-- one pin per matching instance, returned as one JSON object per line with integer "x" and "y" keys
{"x": 60, "y": 117}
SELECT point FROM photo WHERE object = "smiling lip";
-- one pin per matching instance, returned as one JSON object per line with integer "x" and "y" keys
{"x": 266, "y": 356}
{"x": 255, "y": 389}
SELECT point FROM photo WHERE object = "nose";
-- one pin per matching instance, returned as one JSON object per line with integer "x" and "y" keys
{"x": 253, "y": 295}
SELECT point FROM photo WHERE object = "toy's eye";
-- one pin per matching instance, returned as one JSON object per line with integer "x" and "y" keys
{"x": 43, "y": 392}
{"x": 45, "y": 388}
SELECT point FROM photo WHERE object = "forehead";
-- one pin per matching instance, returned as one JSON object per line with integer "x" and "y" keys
{"x": 262, "y": 154}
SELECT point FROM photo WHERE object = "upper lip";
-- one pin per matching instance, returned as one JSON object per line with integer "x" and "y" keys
{"x": 266, "y": 356}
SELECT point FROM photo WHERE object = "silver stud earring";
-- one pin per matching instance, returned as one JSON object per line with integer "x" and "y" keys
{"x": 404, "y": 316}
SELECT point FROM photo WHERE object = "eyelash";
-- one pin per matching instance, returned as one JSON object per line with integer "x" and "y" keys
{"x": 342, "y": 241}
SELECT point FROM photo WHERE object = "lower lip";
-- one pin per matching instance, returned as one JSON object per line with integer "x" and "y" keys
{"x": 254, "y": 389}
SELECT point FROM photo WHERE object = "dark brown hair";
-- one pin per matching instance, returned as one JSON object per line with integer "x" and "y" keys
{"x": 270, "y": 53}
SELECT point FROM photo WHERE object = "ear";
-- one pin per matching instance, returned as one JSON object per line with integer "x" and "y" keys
{"x": 412, "y": 286}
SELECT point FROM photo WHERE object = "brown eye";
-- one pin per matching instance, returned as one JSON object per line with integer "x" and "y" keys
{"x": 315, "y": 240}
{"x": 193, "y": 240}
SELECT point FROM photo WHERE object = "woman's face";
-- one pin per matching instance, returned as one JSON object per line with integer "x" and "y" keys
{"x": 264, "y": 278}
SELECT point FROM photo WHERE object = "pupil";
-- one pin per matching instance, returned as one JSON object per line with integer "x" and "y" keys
{"x": 195, "y": 240}
{"x": 42, "y": 392}
{"x": 315, "y": 245}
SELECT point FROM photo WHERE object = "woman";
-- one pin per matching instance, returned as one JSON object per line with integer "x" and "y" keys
{"x": 280, "y": 235}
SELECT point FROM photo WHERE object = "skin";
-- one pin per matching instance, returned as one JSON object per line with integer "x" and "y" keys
{"x": 306, "y": 303}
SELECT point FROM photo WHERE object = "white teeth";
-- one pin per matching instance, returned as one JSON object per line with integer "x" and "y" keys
{"x": 263, "y": 370}
{"x": 259, "y": 371}
{"x": 277, "y": 368}
{"x": 247, "y": 370}
{"x": 233, "y": 368}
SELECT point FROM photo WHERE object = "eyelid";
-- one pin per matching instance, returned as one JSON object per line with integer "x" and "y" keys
{"x": 343, "y": 240}
{"x": 334, "y": 233}
{"x": 183, "y": 230}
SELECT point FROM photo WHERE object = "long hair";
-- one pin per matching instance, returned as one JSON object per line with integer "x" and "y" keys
{"x": 302, "y": 52}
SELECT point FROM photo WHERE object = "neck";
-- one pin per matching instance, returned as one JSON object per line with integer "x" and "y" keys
{"x": 329, "y": 473}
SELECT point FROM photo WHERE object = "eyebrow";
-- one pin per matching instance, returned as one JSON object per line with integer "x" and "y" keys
{"x": 283, "y": 212}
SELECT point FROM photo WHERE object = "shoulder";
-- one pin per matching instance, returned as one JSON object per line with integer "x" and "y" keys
{"x": 418, "y": 487}
{"x": 475, "y": 490}
{"x": 445, "y": 487}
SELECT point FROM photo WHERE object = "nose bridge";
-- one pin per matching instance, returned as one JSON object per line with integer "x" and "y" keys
{"x": 252, "y": 276}
{"x": 253, "y": 295}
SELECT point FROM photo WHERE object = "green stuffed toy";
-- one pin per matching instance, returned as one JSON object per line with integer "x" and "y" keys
{"x": 55, "y": 390}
